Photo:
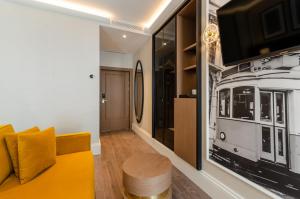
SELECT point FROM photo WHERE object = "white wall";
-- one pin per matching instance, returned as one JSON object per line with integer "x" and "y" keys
{"x": 144, "y": 54}
{"x": 119, "y": 60}
{"x": 46, "y": 59}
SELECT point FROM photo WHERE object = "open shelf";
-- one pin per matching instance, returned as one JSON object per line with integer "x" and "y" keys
{"x": 189, "y": 11}
{"x": 190, "y": 67}
{"x": 186, "y": 50}
{"x": 191, "y": 47}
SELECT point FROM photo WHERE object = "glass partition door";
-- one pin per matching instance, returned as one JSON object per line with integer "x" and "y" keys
{"x": 164, "y": 77}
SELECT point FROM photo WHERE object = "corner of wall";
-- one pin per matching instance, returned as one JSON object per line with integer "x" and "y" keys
{"x": 96, "y": 148}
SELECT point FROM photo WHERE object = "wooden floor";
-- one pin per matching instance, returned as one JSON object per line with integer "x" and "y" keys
{"x": 116, "y": 148}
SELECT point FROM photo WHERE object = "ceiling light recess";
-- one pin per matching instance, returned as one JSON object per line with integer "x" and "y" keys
{"x": 157, "y": 13}
{"x": 77, "y": 7}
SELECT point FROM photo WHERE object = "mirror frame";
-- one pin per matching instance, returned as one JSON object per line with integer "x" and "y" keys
{"x": 138, "y": 118}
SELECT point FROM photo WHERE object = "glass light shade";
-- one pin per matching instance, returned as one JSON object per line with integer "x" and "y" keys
{"x": 211, "y": 34}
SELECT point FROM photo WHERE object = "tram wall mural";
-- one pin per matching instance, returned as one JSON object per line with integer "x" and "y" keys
{"x": 254, "y": 118}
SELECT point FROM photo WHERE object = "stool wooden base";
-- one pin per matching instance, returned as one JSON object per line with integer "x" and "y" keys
{"x": 165, "y": 195}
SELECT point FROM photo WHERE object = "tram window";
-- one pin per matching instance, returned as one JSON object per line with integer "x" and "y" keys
{"x": 280, "y": 142}
{"x": 265, "y": 106}
{"x": 266, "y": 139}
{"x": 243, "y": 102}
{"x": 279, "y": 108}
{"x": 224, "y": 103}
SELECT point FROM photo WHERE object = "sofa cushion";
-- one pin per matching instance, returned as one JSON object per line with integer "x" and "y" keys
{"x": 36, "y": 152}
{"x": 12, "y": 146}
{"x": 71, "y": 177}
{"x": 6, "y": 165}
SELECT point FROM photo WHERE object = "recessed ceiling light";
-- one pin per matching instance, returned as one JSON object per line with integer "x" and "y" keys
{"x": 124, "y": 36}
{"x": 164, "y": 43}
{"x": 77, "y": 7}
{"x": 157, "y": 13}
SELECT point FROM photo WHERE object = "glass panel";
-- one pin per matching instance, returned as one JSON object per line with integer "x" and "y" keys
{"x": 243, "y": 102}
{"x": 279, "y": 108}
{"x": 265, "y": 106}
{"x": 224, "y": 103}
{"x": 165, "y": 83}
{"x": 266, "y": 139}
{"x": 280, "y": 142}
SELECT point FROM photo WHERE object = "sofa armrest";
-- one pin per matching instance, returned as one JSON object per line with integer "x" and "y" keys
{"x": 72, "y": 143}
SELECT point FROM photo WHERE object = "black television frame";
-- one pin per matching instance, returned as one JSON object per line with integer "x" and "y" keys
{"x": 271, "y": 54}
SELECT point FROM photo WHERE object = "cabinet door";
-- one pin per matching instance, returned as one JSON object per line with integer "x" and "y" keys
{"x": 164, "y": 79}
{"x": 185, "y": 129}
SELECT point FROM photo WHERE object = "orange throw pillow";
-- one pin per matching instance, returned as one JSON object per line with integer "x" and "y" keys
{"x": 6, "y": 166}
{"x": 12, "y": 146}
{"x": 37, "y": 152}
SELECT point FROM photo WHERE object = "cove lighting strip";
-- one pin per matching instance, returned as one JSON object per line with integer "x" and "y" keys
{"x": 157, "y": 13}
{"x": 77, "y": 7}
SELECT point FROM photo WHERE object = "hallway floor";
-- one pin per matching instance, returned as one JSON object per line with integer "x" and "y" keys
{"x": 116, "y": 148}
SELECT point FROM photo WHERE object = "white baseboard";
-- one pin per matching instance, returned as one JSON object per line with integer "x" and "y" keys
{"x": 213, "y": 187}
{"x": 96, "y": 148}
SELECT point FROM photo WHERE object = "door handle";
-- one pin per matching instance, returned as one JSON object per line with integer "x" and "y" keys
{"x": 103, "y": 101}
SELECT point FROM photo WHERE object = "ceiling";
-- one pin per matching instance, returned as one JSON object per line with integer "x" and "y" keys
{"x": 138, "y": 19}
{"x": 135, "y": 12}
{"x": 141, "y": 16}
{"x": 111, "y": 40}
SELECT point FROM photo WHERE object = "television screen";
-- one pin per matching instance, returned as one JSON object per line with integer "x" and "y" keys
{"x": 252, "y": 29}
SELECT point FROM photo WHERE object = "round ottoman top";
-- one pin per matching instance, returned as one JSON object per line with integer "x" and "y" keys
{"x": 147, "y": 174}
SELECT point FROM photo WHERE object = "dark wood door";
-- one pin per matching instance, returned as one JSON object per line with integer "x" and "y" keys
{"x": 115, "y": 100}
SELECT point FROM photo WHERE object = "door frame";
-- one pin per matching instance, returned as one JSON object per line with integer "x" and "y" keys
{"x": 130, "y": 70}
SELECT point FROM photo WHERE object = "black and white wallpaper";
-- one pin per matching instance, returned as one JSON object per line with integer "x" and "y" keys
{"x": 254, "y": 118}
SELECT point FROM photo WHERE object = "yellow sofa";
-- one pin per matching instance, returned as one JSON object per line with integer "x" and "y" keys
{"x": 72, "y": 177}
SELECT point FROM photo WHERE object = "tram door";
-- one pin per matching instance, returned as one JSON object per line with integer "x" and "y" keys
{"x": 273, "y": 128}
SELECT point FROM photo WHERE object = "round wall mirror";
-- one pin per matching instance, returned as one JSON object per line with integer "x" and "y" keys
{"x": 138, "y": 91}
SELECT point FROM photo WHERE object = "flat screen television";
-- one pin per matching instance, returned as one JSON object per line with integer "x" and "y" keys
{"x": 253, "y": 29}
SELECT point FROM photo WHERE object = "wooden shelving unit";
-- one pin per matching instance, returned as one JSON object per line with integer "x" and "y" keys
{"x": 179, "y": 134}
{"x": 185, "y": 108}
{"x": 186, "y": 49}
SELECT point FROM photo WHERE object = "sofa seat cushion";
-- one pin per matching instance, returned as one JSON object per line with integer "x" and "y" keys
{"x": 71, "y": 177}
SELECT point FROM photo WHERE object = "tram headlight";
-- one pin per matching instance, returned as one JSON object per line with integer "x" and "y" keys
{"x": 222, "y": 136}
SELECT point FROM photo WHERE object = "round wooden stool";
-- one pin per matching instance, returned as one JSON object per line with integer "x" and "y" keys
{"x": 147, "y": 176}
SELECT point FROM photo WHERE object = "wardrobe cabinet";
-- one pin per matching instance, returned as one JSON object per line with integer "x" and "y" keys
{"x": 176, "y": 77}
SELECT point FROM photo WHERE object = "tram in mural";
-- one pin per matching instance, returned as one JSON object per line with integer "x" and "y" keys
{"x": 255, "y": 121}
